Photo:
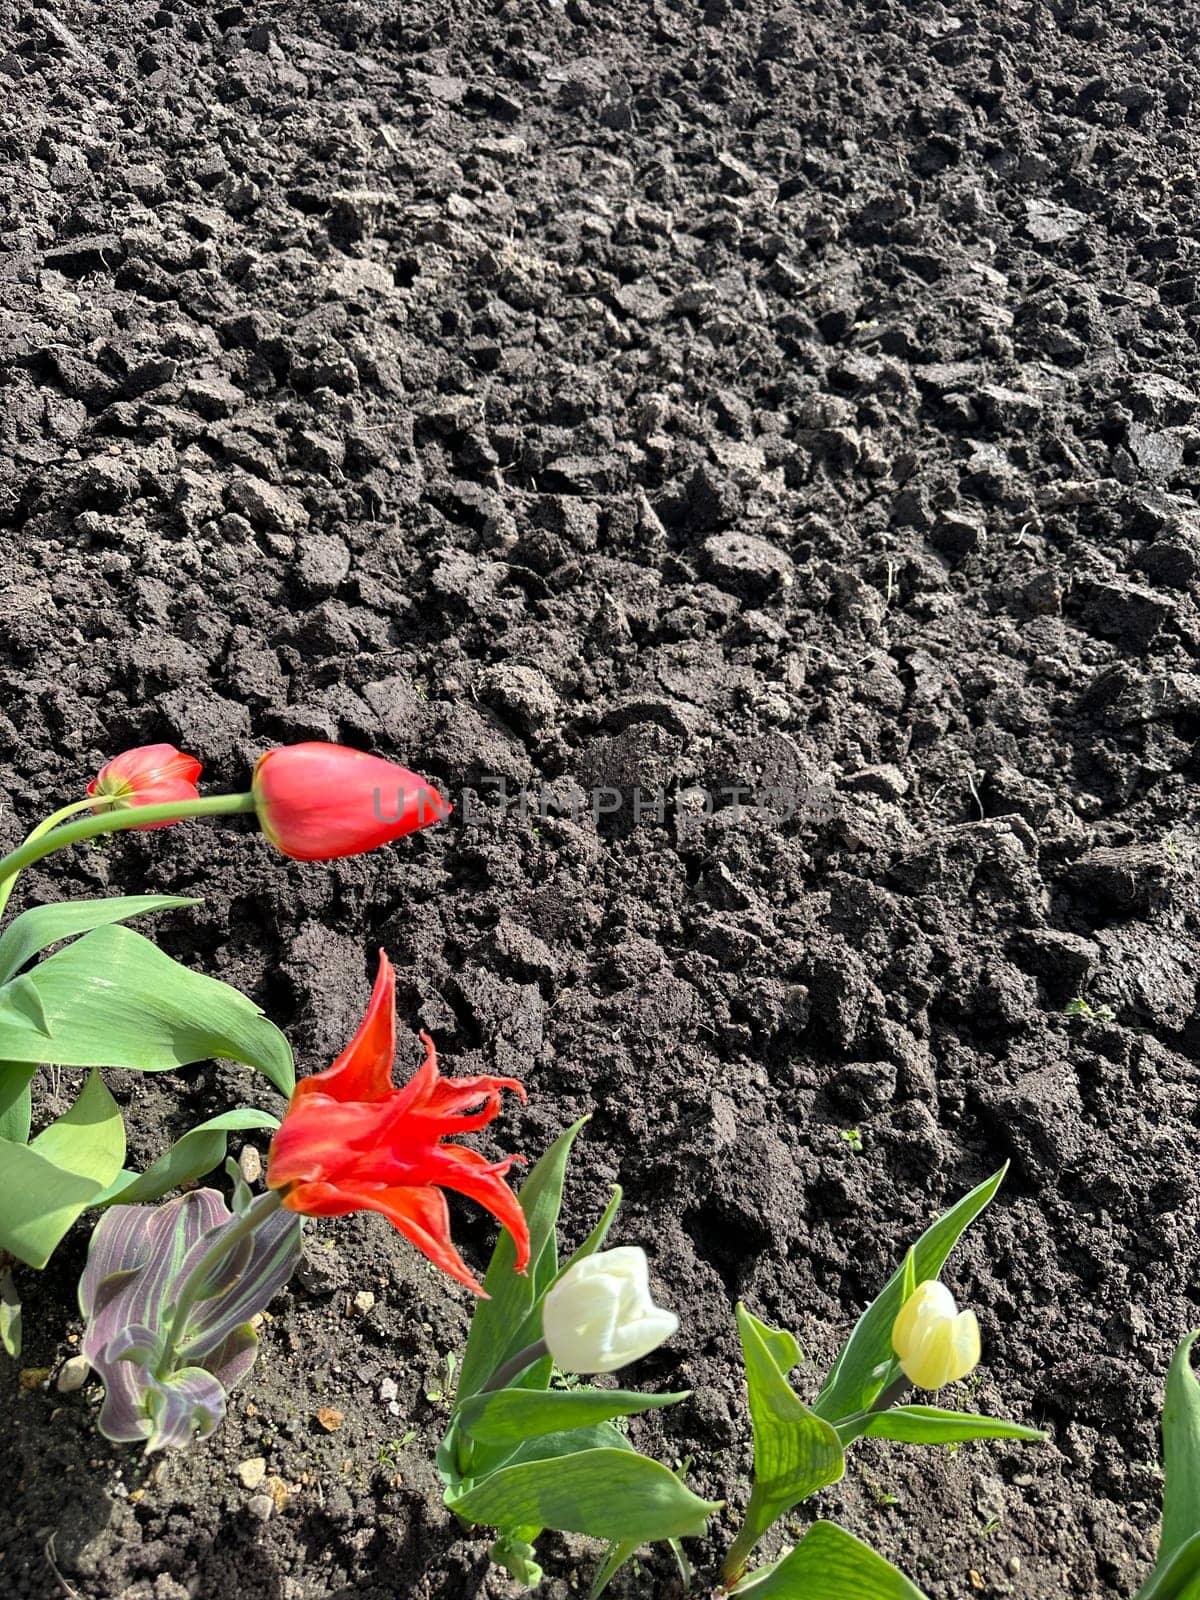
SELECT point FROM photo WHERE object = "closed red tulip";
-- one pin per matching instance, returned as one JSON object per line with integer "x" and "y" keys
{"x": 351, "y": 1141}
{"x": 318, "y": 801}
{"x": 151, "y": 775}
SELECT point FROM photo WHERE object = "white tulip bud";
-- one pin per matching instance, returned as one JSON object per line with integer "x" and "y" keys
{"x": 599, "y": 1315}
{"x": 935, "y": 1341}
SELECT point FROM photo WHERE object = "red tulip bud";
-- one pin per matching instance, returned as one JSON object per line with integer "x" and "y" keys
{"x": 151, "y": 775}
{"x": 316, "y": 802}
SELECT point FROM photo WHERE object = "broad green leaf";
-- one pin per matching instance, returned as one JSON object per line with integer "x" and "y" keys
{"x": 498, "y": 1321}
{"x": 198, "y": 1151}
{"x": 1177, "y": 1578}
{"x": 45, "y": 1185}
{"x": 33, "y": 930}
{"x": 23, "y": 1003}
{"x": 1181, "y": 1453}
{"x": 862, "y": 1367}
{"x": 609, "y": 1494}
{"x": 796, "y": 1452}
{"x": 511, "y": 1416}
{"x": 16, "y": 1102}
{"x": 780, "y": 1345}
{"x": 620, "y": 1554}
{"x": 113, "y": 999}
{"x": 930, "y": 1425}
{"x": 830, "y": 1564}
{"x": 599, "y": 1436}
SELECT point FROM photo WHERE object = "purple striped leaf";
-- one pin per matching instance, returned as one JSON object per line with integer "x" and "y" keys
{"x": 138, "y": 1261}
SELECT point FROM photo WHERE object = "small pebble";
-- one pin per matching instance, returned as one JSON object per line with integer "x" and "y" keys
{"x": 364, "y": 1302}
{"x": 389, "y": 1390}
{"x": 261, "y": 1507}
{"x": 251, "y": 1163}
{"x": 279, "y": 1492}
{"x": 34, "y": 1377}
{"x": 72, "y": 1374}
{"x": 253, "y": 1471}
{"x": 330, "y": 1418}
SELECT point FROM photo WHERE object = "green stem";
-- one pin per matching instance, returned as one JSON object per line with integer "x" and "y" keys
{"x": 198, "y": 1280}
{"x": 883, "y": 1401}
{"x": 52, "y": 821}
{"x": 503, "y": 1376}
{"x": 500, "y": 1379}
{"x": 114, "y": 821}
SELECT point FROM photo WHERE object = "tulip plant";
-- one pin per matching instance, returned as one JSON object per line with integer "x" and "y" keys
{"x": 911, "y": 1335}
{"x": 111, "y": 998}
{"x": 522, "y": 1455}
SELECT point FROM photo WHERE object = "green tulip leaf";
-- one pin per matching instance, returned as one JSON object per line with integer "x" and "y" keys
{"x": 198, "y": 1151}
{"x": 41, "y": 926}
{"x": 930, "y": 1425}
{"x": 1181, "y": 1453}
{"x": 511, "y": 1416}
{"x": 829, "y": 1564}
{"x": 866, "y": 1359}
{"x": 16, "y": 1102}
{"x": 616, "y": 1495}
{"x": 113, "y": 999}
{"x": 45, "y": 1185}
{"x": 496, "y": 1328}
{"x": 1177, "y": 1578}
{"x": 796, "y": 1452}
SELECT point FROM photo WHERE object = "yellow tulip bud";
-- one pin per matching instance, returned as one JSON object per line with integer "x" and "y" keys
{"x": 935, "y": 1341}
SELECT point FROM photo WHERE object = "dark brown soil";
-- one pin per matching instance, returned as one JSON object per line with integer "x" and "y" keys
{"x": 648, "y": 395}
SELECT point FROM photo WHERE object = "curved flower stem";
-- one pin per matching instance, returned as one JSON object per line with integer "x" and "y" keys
{"x": 57, "y": 838}
{"x": 52, "y": 821}
{"x": 503, "y": 1376}
{"x": 194, "y": 1285}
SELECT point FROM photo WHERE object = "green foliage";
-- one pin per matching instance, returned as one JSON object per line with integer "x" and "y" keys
{"x": 511, "y": 1416}
{"x": 829, "y": 1564}
{"x": 525, "y": 1457}
{"x": 866, "y": 1363}
{"x": 1176, "y": 1575}
{"x": 113, "y": 999}
{"x": 930, "y": 1425}
{"x": 35, "y": 930}
{"x": 190, "y": 1157}
{"x": 109, "y": 998}
{"x": 796, "y": 1452}
{"x": 48, "y": 1183}
{"x": 499, "y": 1324}
{"x": 610, "y": 1494}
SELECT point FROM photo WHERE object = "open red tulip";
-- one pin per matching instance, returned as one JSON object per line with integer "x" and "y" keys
{"x": 351, "y": 1141}
{"x": 318, "y": 801}
{"x": 151, "y": 775}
